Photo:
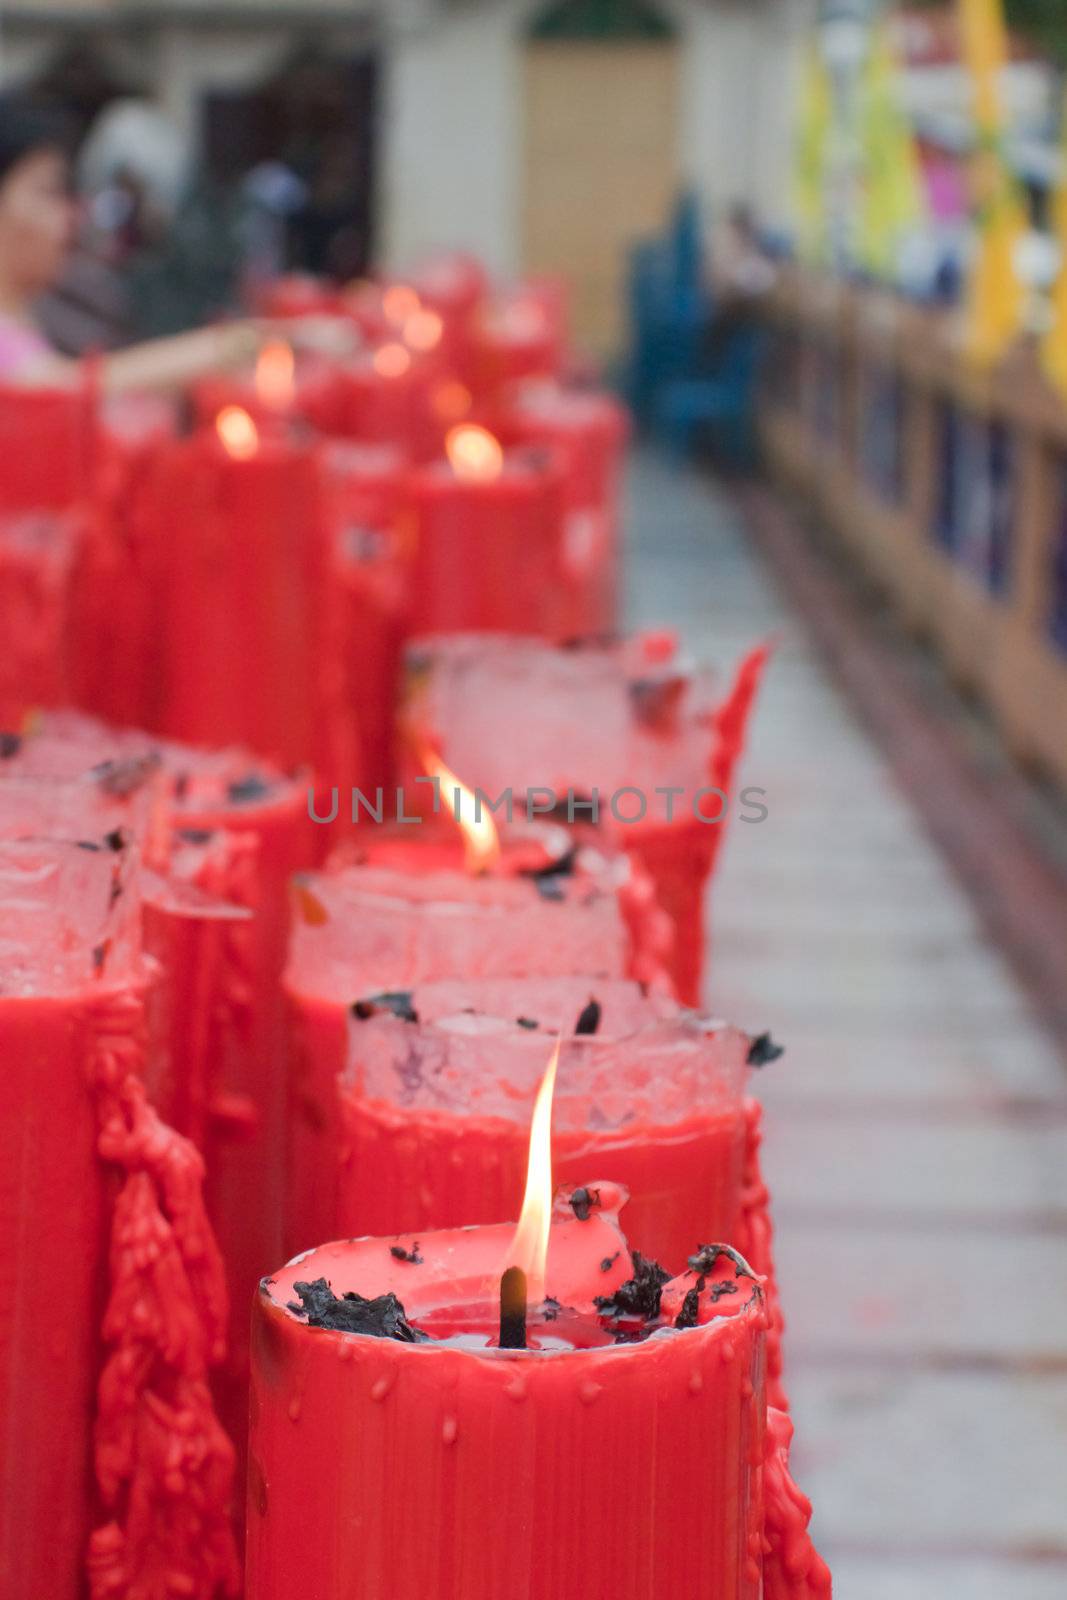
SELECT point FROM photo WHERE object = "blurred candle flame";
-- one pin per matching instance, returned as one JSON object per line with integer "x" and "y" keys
{"x": 237, "y": 433}
{"x": 529, "y": 1247}
{"x": 474, "y": 453}
{"x": 480, "y": 837}
{"x": 391, "y": 360}
{"x": 423, "y": 330}
{"x": 275, "y": 375}
{"x": 399, "y": 302}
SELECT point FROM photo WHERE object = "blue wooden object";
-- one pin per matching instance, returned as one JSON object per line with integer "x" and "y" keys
{"x": 722, "y": 402}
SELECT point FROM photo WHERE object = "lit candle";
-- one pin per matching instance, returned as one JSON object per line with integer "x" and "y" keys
{"x": 588, "y": 430}
{"x": 488, "y": 529}
{"x": 416, "y": 911}
{"x": 438, "y": 1090}
{"x": 624, "y": 740}
{"x": 364, "y": 488}
{"x": 246, "y": 631}
{"x": 474, "y": 1412}
{"x": 277, "y": 391}
{"x": 386, "y": 397}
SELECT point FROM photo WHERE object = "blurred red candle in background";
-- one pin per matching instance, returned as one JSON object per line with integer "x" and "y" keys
{"x": 588, "y": 430}
{"x": 487, "y": 536}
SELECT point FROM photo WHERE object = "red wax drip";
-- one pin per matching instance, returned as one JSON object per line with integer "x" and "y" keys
{"x": 792, "y": 1567}
{"x": 164, "y": 1466}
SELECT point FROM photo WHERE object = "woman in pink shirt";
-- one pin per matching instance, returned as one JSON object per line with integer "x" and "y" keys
{"x": 37, "y": 218}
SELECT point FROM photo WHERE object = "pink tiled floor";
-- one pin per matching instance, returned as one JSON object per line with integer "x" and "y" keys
{"x": 917, "y": 1126}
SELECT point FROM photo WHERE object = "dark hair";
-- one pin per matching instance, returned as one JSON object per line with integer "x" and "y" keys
{"x": 28, "y": 126}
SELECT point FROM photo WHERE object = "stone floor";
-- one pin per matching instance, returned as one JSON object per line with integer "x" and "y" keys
{"x": 917, "y": 1126}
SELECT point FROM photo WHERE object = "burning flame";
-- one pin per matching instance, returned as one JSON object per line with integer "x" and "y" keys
{"x": 399, "y": 302}
{"x": 529, "y": 1248}
{"x": 237, "y": 432}
{"x": 423, "y": 330}
{"x": 391, "y": 360}
{"x": 275, "y": 374}
{"x": 480, "y": 837}
{"x": 475, "y": 454}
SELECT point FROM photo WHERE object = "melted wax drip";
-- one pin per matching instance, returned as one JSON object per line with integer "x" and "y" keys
{"x": 792, "y": 1567}
{"x": 164, "y": 1466}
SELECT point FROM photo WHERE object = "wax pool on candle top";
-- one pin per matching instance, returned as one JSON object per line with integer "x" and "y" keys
{"x": 442, "y": 1465}
{"x": 436, "y": 1104}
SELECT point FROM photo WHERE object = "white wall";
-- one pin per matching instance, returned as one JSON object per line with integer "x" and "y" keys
{"x": 452, "y": 153}
{"x": 453, "y": 132}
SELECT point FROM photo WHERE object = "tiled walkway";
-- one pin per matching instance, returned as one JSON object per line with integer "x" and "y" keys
{"x": 917, "y": 1126}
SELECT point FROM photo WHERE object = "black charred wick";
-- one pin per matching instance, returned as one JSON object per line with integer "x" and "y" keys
{"x": 562, "y": 867}
{"x": 244, "y": 790}
{"x": 398, "y": 1253}
{"x": 689, "y": 1316}
{"x": 10, "y": 745}
{"x": 526, "y": 1022}
{"x": 513, "y": 1309}
{"x": 582, "y": 1202}
{"x": 549, "y": 888}
{"x": 704, "y": 1260}
{"x": 382, "y": 1318}
{"x": 763, "y": 1050}
{"x": 399, "y": 1002}
{"x": 639, "y": 1297}
{"x": 117, "y": 839}
{"x": 194, "y": 835}
{"x": 588, "y": 1018}
{"x": 609, "y": 1261}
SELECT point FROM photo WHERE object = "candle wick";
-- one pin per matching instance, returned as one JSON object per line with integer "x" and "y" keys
{"x": 513, "y": 1309}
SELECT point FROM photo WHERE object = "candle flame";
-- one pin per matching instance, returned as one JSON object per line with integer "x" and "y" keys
{"x": 399, "y": 302}
{"x": 423, "y": 330}
{"x": 275, "y": 375}
{"x": 480, "y": 836}
{"x": 529, "y": 1247}
{"x": 237, "y": 432}
{"x": 475, "y": 454}
{"x": 391, "y": 360}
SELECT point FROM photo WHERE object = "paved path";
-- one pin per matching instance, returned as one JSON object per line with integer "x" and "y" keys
{"x": 917, "y": 1139}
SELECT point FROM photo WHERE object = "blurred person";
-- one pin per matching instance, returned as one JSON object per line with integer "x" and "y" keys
{"x": 740, "y": 267}
{"x": 38, "y": 219}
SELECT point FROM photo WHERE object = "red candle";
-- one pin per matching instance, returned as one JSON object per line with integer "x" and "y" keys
{"x": 415, "y": 1431}
{"x": 279, "y": 390}
{"x": 364, "y": 487}
{"x": 516, "y": 336}
{"x": 487, "y": 536}
{"x": 386, "y": 396}
{"x": 436, "y": 1105}
{"x": 623, "y": 740}
{"x": 38, "y": 555}
{"x": 248, "y": 624}
{"x": 75, "y": 1111}
{"x": 48, "y": 446}
{"x": 223, "y": 833}
{"x": 361, "y": 929}
{"x": 588, "y": 430}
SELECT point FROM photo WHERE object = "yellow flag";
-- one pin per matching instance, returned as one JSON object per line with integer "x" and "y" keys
{"x": 1054, "y": 348}
{"x": 813, "y": 134}
{"x": 892, "y": 194}
{"x": 994, "y": 294}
